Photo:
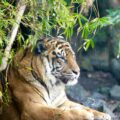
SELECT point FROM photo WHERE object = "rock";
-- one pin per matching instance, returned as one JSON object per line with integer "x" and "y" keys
{"x": 115, "y": 68}
{"x": 86, "y": 65}
{"x": 104, "y": 91}
{"x": 115, "y": 92}
{"x": 76, "y": 92}
{"x": 117, "y": 109}
{"x": 99, "y": 64}
{"x": 97, "y": 104}
{"x": 97, "y": 95}
{"x": 109, "y": 111}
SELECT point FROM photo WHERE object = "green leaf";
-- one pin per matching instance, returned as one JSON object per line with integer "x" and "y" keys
{"x": 88, "y": 43}
{"x": 85, "y": 31}
{"x": 92, "y": 43}
{"x": 1, "y": 56}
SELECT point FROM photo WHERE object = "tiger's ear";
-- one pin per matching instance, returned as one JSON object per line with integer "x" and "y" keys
{"x": 40, "y": 47}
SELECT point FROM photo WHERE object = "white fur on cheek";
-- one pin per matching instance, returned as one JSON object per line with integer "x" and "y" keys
{"x": 48, "y": 71}
{"x": 46, "y": 64}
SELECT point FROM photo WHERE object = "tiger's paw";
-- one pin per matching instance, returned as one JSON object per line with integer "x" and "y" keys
{"x": 82, "y": 115}
{"x": 103, "y": 117}
{"x": 87, "y": 116}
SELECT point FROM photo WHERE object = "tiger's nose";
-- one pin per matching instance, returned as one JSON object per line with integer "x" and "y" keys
{"x": 75, "y": 72}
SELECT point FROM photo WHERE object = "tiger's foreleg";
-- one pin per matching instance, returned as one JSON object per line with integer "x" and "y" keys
{"x": 97, "y": 115}
{"x": 39, "y": 112}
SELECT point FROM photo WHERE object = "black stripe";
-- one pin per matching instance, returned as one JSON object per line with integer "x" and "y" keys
{"x": 24, "y": 54}
{"x": 58, "y": 43}
{"x": 48, "y": 59}
{"x": 39, "y": 94}
{"x": 38, "y": 78}
{"x": 53, "y": 59}
{"x": 61, "y": 105}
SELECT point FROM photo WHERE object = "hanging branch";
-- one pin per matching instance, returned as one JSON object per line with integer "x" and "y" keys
{"x": 21, "y": 8}
{"x": 89, "y": 2}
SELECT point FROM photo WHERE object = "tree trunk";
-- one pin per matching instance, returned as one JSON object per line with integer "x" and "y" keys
{"x": 21, "y": 8}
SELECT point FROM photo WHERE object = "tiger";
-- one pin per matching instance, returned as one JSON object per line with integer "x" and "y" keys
{"x": 37, "y": 81}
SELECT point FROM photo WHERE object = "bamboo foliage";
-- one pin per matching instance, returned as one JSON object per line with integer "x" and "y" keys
{"x": 11, "y": 38}
{"x": 41, "y": 17}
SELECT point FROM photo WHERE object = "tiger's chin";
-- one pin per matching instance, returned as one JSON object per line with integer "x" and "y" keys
{"x": 72, "y": 82}
{"x": 69, "y": 82}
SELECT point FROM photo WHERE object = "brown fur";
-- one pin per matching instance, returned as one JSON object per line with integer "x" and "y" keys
{"x": 30, "y": 98}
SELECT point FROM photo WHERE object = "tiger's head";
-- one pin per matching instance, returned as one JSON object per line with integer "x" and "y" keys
{"x": 60, "y": 58}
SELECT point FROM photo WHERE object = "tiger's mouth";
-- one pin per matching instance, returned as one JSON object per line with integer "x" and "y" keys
{"x": 69, "y": 80}
{"x": 65, "y": 80}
